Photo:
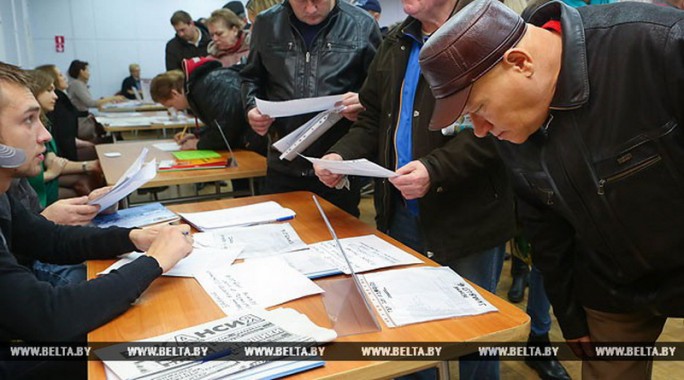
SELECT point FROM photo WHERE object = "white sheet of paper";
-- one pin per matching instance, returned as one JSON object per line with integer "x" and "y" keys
{"x": 309, "y": 263}
{"x": 121, "y": 190}
{"x": 297, "y": 106}
{"x": 413, "y": 295}
{"x": 167, "y": 146}
{"x": 365, "y": 253}
{"x": 361, "y": 167}
{"x": 258, "y": 241}
{"x": 264, "y": 212}
{"x": 199, "y": 261}
{"x": 256, "y": 284}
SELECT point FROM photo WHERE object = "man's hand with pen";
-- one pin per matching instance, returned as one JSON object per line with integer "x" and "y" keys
{"x": 187, "y": 141}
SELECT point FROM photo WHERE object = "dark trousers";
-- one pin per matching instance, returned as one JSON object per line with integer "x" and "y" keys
{"x": 347, "y": 200}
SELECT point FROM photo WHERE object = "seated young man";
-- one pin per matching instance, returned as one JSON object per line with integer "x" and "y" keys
{"x": 34, "y": 310}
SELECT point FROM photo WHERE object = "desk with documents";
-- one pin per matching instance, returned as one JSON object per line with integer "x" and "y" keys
{"x": 174, "y": 303}
{"x": 251, "y": 165}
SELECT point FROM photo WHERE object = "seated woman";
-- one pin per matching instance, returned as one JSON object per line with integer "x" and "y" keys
{"x": 64, "y": 119}
{"x": 81, "y": 98}
{"x": 229, "y": 42}
{"x": 59, "y": 177}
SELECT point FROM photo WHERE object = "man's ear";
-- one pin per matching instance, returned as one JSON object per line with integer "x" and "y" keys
{"x": 519, "y": 60}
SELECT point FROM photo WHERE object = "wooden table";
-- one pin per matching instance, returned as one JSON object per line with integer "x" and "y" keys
{"x": 171, "y": 303}
{"x": 250, "y": 165}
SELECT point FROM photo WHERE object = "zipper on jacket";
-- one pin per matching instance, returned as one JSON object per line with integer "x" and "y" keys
{"x": 616, "y": 177}
{"x": 308, "y": 57}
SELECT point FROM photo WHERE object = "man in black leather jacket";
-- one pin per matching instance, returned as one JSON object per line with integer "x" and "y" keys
{"x": 302, "y": 50}
{"x": 592, "y": 100}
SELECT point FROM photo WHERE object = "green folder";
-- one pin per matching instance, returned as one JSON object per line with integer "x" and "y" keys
{"x": 195, "y": 154}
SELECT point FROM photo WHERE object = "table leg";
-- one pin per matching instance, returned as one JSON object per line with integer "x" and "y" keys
{"x": 251, "y": 186}
{"x": 443, "y": 372}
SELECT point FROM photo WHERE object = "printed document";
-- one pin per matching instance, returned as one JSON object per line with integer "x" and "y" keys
{"x": 301, "y": 138}
{"x": 258, "y": 241}
{"x": 297, "y": 106}
{"x": 137, "y": 175}
{"x": 255, "y": 284}
{"x": 308, "y": 262}
{"x": 218, "y": 339}
{"x": 414, "y": 295}
{"x": 361, "y": 167}
{"x": 365, "y": 253}
{"x": 265, "y": 212}
{"x": 197, "y": 262}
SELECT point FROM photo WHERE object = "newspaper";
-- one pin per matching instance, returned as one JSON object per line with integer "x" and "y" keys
{"x": 218, "y": 339}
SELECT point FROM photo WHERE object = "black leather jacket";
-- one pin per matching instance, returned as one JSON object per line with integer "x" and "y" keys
{"x": 279, "y": 67}
{"x": 213, "y": 93}
{"x": 602, "y": 183}
{"x": 469, "y": 207}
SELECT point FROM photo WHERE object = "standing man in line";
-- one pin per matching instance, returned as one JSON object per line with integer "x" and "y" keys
{"x": 451, "y": 200}
{"x": 587, "y": 104}
{"x": 191, "y": 40}
{"x": 303, "y": 49}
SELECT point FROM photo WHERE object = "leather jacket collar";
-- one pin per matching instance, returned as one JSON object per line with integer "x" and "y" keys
{"x": 572, "y": 88}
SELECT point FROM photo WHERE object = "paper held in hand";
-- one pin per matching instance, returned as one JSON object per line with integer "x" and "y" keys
{"x": 138, "y": 174}
{"x": 361, "y": 167}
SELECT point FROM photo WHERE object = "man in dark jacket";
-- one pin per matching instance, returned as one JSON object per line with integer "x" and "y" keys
{"x": 592, "y": 100}
{"x": 191, "y": 40}
{"x": 300, "y": 50}
{"x": 452, "y": 200}
{"x": 34, "y": 310}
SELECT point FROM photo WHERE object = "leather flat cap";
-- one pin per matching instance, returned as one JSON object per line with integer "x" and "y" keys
{"x": 464, "y": 49}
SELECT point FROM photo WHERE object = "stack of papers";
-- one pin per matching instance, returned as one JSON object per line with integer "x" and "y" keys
{"x": 138, "y": 216}
{"x": 136, "y": 175}
{"x": 193, "y": 159}
{"x": 257, "y": 284}
{"x": 167, "y": 146}
{"x": 257, "y": 241}
{"x": 197, "y": 262}
{"x": 413, "y": 295}
{"x": 265, "y": 212}
{"x": 227, "y": 334}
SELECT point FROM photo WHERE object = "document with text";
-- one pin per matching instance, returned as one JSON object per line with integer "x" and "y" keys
{"x": 414, "y": 295}
{"x": 255, "y": 284}
{"x": 294, "y": 107}
{"x": 257, "y": 241}
{"x": 137, "y": 175}
{"x": 217, "y": 339}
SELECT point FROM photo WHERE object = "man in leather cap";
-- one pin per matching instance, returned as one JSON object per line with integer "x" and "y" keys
{"x": 591, "y": 100}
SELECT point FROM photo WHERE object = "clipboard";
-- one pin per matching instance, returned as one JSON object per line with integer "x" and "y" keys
{"x": 348, "y": 308}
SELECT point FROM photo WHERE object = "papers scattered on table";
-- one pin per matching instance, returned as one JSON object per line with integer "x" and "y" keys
{"x": 361, "y": 167}
{"x": 136, "y": 175}
{"x": 197, "y": 262}
{"x": 309, "y": 263}
{"x": 258, "y": 241}
{"x": 141, "y": 120}
{"x": 138, "y": 216}
{"x": 413, "y": 295}
{"x": 218, "y": 339}
{"x": 167, "y": 146}
{"x": 297, "y": 106}
{"x": 255, "y": 284}
{"x": 265, "y": 212}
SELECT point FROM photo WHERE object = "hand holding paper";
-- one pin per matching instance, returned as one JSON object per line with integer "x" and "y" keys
{"x": 258, "y": 121}
{"x": 351, "y": 106}
{"x": 328, "y": 178}
{"x": 413, "y": 180}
